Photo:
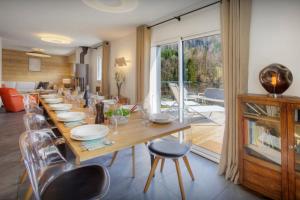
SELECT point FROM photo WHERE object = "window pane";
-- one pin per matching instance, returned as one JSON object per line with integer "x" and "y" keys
{"x": 99, "y": 68}
{"x": 169, "y": 76}
{"x": 203, "y": 91}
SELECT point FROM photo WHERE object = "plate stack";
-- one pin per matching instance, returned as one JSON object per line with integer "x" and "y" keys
{"x": 89, "y": 132}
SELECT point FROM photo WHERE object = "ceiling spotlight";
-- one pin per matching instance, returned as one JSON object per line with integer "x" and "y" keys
{"x": 112, "y": 6}
{"x": 38, "y": 54}
{"x": 57, "y": 39}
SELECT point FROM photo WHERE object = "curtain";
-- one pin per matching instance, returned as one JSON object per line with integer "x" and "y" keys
{"x": 235, "y": 27}
{"x": 143, "y": 44}
{"x": 105, "y": 69}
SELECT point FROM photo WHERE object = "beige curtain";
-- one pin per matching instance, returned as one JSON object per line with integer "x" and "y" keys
{"x": 105, "y": 69}
{"x": 235, "y": 27}
{"x": 143, "y": 45}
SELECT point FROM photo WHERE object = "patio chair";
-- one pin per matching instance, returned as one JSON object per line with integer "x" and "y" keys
{"x": 214, "y": 95}
{"x": 195, "y": 107}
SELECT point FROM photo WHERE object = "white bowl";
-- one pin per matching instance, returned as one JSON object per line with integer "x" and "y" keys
{"x": 61, "y": 107}
{"x": 70, "y": 116}
{"x": 162, "y": 118}
{"x": 89, "y": 132}
{"x": 55, "y": 100}
{"x": 49, "y": 96}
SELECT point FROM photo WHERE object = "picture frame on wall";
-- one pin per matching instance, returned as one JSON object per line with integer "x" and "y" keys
{"x": 34, "y": 64}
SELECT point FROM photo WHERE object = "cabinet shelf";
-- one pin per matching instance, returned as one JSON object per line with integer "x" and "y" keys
{"x": 262, "y": 118}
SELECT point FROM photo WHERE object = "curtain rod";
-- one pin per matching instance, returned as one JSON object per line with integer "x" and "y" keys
{"x": 179, "y": 16}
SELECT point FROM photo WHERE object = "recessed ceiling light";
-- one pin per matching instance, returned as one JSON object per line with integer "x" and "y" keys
{"x": 38, "y": 54}
{"x": 112, "y": 6}
{"x": 57, "y": 39}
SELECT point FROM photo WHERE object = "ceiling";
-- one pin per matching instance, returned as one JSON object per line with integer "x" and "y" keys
{"x": 22, "y": 20}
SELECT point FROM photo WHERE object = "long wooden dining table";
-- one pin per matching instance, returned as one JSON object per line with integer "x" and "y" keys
{"x": 130, "y": 134}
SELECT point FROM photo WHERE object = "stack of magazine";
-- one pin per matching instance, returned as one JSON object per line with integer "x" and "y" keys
{"x": 262, "y": 110}
{"x": 264, "y": 142}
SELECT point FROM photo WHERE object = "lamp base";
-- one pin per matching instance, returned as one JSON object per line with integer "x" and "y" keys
{"x": 275, "y": 95}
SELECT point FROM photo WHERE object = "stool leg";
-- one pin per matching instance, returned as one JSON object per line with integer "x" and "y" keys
{"x": 151, "y": 173}
{"x": 133, "y": 161}
{"x": 23, "y": 177}
{"x": 179, "y": 179}
{"x": 162, "y": 165}
{"x": 113, "y": 159}
{"x": 28, "y": 193}
{"x": 187, "y": 164}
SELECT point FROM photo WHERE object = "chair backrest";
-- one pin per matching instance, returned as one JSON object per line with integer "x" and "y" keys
{"x": 34, "y": 122}
{"x": 30, "y": 105}
{"x": 175, "y": 90}
{"x": 11, "y": 99}
{"x": 38, "y": 153}
{"x": 214, "y": 93}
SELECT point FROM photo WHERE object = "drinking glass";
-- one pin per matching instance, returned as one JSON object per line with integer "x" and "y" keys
{"x": 113, "y": 124}
{"x": 90, "y": 112}
{"x": 145, "y": 114}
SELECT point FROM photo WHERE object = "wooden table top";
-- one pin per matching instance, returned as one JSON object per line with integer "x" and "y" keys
{"x": 133, "y": 133}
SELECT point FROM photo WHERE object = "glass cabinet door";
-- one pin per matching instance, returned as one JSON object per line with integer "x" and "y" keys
{"x": 262, "y": 129}
{"x": 295, "y": 192}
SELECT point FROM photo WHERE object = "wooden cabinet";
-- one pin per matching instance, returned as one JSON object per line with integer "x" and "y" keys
{"x": 269, "y": 145}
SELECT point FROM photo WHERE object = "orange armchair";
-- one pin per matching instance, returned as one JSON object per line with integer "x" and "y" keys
{"x": 12, "y": 100}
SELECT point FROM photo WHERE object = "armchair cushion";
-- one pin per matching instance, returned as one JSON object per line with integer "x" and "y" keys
{"x": 12, "y": 100}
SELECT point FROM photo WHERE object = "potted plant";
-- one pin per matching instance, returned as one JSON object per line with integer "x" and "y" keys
{"x": 120, "y": 79}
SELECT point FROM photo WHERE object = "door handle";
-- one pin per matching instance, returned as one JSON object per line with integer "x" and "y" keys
{"x": 292, "y": 147}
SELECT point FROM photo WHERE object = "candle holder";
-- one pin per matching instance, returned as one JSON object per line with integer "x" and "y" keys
{"x": 275, "y": 79}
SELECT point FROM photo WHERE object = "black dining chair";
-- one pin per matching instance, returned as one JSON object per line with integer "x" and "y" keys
{"x": 63, "y": 180}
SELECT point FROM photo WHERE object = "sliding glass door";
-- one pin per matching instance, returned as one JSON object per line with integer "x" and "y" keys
{"x": 191, "y": 77}
{"x": 203, "y": 92}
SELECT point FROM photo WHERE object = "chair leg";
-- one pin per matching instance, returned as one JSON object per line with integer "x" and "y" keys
{"x": 133, "y": 161}
{"x": 28, "y": 193}
{"x": 187, "y": 164}
{"x": 179, "y": 179}
{"x": 162, "y": 165}
{"x": 151, "y": 173}
{"x": 113, "y": 159}
{"x": 23, "y": 177}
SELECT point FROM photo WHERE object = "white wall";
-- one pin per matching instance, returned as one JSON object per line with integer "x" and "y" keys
{"x": 192, "y": 25}
{"x": 0, "y": 60}
{"x": 274, "y": 38}
{"x": 124, "y": 47}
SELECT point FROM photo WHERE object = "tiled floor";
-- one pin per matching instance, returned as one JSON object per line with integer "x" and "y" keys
{"x": 208, "y": 184}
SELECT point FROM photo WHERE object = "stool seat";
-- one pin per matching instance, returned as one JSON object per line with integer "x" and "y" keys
{"x": 168, "y": 148}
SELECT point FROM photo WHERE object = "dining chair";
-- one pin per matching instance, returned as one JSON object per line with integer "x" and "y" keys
{"x": 62, "y": 180}
{"x": 31, "y": 105}
{"x": 38, "y": 125}
{"x": 172, "y": 147}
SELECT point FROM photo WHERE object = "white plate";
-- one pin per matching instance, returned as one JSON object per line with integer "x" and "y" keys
{"x": 70, "y": 116}
{"x": 61, "y": 107}
{"x": 162, "y": 118}
{"x": 89, "y": 132}
{"x": 55, "y": 100}
{"x": 109, "y": 101}
{"x": 49, "y": 96}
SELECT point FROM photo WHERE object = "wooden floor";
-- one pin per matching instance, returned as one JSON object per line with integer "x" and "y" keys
{"x": 209, "y": 134}
{"x": 208, "y": 185}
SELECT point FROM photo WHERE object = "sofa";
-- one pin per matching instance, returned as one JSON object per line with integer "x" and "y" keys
{"x": 20, "y": 86}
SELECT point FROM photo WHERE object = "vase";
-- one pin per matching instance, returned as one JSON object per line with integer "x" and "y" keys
{"x": 275, "y": 79}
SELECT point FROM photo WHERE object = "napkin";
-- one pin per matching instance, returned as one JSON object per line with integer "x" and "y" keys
{"x": 91, "y": 145}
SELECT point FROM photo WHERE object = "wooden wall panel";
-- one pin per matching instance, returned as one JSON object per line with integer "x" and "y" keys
{"x": 15, "y": 67}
